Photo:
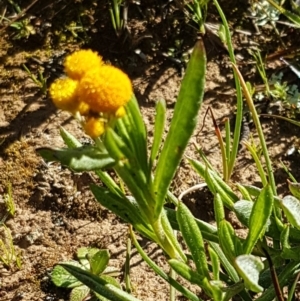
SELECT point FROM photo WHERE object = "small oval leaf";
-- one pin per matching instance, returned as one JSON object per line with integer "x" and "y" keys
{"x": 291, "y": 208}
{"x": 62, "y": 278}
{"x": 79, "y": 293}
{"x": 249, "y": 267}
{"x": 99, "y": 261}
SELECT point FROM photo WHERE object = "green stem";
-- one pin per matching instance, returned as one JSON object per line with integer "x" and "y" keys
{"x": 188, "y": 294}
{"x": 239, "y": 109}
{"x": 166, "y": 239}
{"x": 258, "y": 164}
{"x": 259, "y": 130}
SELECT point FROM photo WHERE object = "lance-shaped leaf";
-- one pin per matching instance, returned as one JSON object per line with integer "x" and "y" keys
{"x": 182, "y": 125}
{"x": 259, "y": 217}
{"x": 230, "y": 244}
{"x": 215, "y": 183}
{"x": 125, "y": 208}
{"x": 130, "y": 171}
{"x": 131, "y": 129}
{"x": 186, "y": 272}
{"x": 291, "y": 208}
{"x": 208, "y": 231}
{"x": 158, "y": 129}
{"x": 193, "y": 238}
{"x": 249, "y": 267}
{"x": 69, "y": 139}
{"x": 85, "y": 158}
{"x": 98, "y": 285}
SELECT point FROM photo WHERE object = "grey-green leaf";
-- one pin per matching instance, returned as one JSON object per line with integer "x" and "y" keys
{"x": 79, "y": 293}
{"x": 85, "y": 158}
{"x": 291, "y": 208}
{"x": 62, "y": 278}
{"x": 249, "y": 267}
{"x": 69, "y": 139}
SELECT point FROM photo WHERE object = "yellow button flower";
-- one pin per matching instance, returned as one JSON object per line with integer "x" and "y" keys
{"x": 105, "y": 89}
{"x": 94, "y": 127}
{"x": 63, "y": 92}
{"x": 81, "y": 61}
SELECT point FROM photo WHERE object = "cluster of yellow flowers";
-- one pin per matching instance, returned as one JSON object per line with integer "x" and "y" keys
{"x": 93, "y": 89}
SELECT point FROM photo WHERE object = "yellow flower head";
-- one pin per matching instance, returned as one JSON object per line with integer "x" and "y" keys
{"x": 94, "y": 127}
{"x": 81, "y": 61}
{"x": 63, "y": 92}
{"x": 105, "y": 89}
{"x": 120, "y": 112}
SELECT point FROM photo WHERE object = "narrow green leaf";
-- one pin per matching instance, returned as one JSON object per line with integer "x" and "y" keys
{"x": 158, "y": 129}
{"x": 110, "y": 280}
{"x": 246, "y": 195}
{"x": 182, "y": 125}
{"x": 217, "y": 290}
{"x": 229, "y": 242}
{"x": 108, "y": 181}
{"x": 168, "y": 232}
{"x": 255, "y": 191}
{"x": 291, "y": 208}
{"x": 85, "y": 158}
{"x": 187, "y": 273}
{"x": 130, "y": 171}
{"x": 62, "y": 278}
{"x": 135, "y": 133}
{"x": 215, "y": 262}
{"x": 219, "y": 209}
{"x": 98, "y": 285}
{"x": 69, "y": 139}
{"x": 225, "y": 262}
{"x": 193, "y": 238}
{"x": 226, "y": 234}
{"x": 294, "y": 189}
{"x": 99, "y": 261}
{"x": 126, "y": 208}
{"x": 249, "y": 267}
{"x": 259, "y": 217}
{"x": 208, "y": 231}
{"x": 225, "y": 191}
{"x": 79, "y": 293}
{"x": 284, "y": 237}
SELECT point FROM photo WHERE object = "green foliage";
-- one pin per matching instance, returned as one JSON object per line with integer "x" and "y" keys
{"x": 8, "y": 254}
{"x": 218, "y": 260}
{"x": 116, "y": 16}
{"x": 92, "y": 262}
{"x": 40, "y": 80}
